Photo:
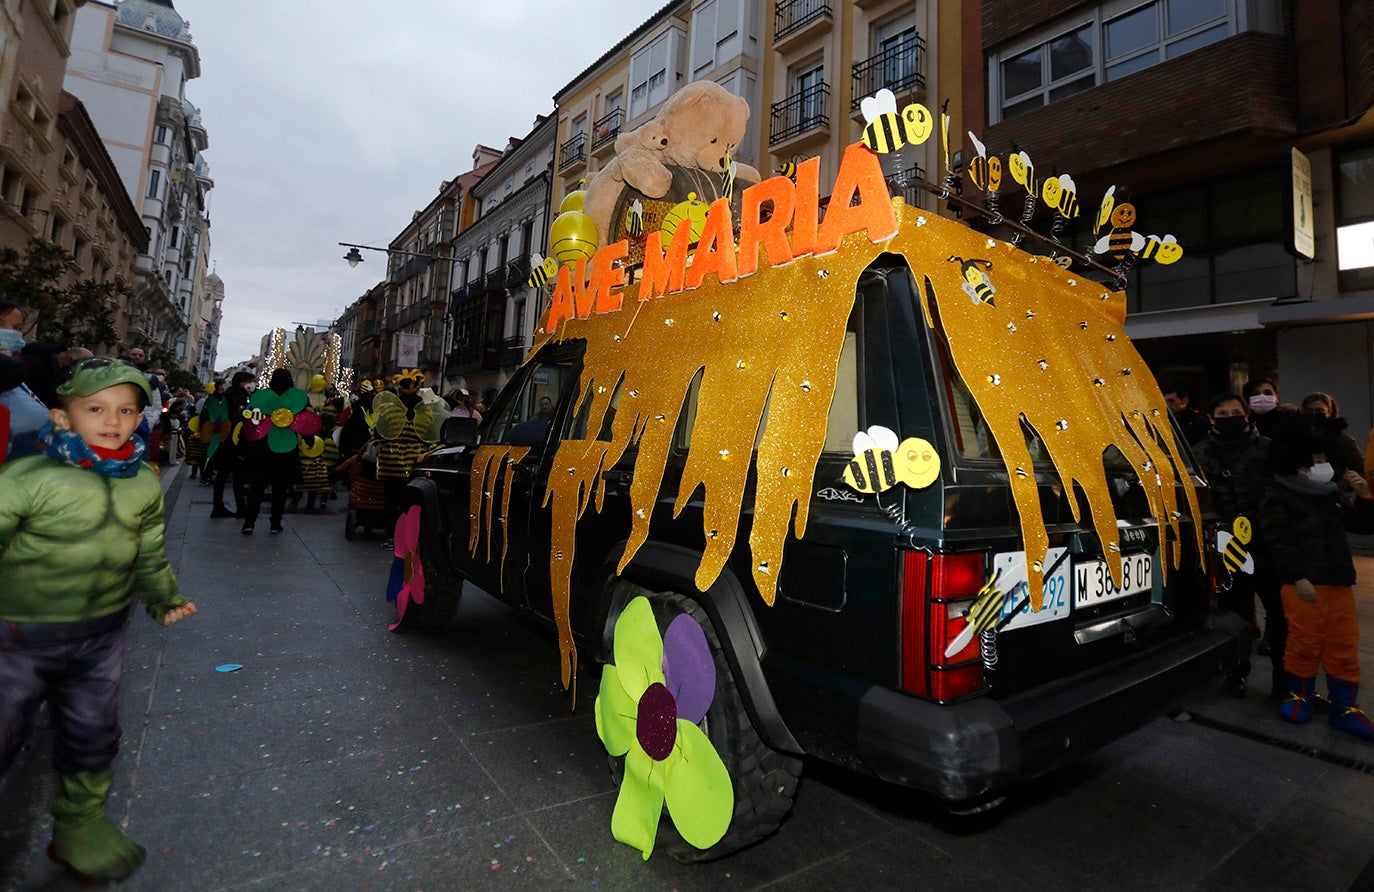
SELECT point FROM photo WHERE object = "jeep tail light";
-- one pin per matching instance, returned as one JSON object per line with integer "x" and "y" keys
{"x": 936, "y": 591}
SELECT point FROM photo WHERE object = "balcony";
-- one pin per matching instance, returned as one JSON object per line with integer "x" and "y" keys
{"x": 403, "y": 317}
{"x": 517, "y": 273}
{"x": 572, "y": 152}
{"x": 898, "y": 68}
{"x": 513, "y": 352}
{"x": 800, "y": 115}
{"x": 606, "y": 128}
{"x": 798, "y": 20}
{"x": 495, "y": 279}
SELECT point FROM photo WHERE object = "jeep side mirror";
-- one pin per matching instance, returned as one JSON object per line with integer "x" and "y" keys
{"x": 459, "y": 431}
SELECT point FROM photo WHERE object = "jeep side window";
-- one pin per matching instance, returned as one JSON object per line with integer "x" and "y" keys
{"x": 842, "y": 420}
{"x": 525, "y": 420}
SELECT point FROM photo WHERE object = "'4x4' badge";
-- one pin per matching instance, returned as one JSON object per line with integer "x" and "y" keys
{"x": 831, "y": 494}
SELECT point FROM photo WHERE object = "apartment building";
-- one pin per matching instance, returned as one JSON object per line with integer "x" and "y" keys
{"x": 493, "y": 309}
{"x": 1195, "y": 108}
{"x": 130, "y": 64}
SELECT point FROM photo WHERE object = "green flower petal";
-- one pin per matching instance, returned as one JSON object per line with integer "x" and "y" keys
{"x": 266, "y": 400}
{"x": 640, "y": 803}
{"x": 296, "y": 400}
{"x": 281, "y": 439}
{"x": 615, "y": 714}
{"x": 701, "y": 798}
{"x": 638, "y": 648}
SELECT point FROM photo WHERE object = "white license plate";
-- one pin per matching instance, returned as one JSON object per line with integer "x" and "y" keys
{"x": 1012, "y": 581}
{"x": 1093, "y": 583}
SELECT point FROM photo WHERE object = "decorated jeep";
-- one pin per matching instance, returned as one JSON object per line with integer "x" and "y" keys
{"x": 868, "y": 486}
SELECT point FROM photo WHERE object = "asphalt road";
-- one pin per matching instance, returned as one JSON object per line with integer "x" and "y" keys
{"x": 345, "y": 756}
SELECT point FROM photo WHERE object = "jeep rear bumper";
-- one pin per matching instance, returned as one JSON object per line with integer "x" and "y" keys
{"x": 968, "y": 750}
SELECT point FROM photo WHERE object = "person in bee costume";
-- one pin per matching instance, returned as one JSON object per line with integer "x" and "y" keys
{"x": 407, "y": 423}
{"x": 1304, "y": 515}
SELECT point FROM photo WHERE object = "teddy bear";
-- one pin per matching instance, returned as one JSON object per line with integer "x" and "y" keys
{"x": 683, "y": 149}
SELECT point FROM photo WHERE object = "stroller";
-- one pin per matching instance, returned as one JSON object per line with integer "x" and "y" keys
{"x": 366, "y": 497}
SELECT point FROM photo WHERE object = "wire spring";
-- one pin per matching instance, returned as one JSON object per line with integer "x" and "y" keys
{"x": 987, "y": 649}
{"x": 895, "y": 511}
{"x": 1027, "y": 212}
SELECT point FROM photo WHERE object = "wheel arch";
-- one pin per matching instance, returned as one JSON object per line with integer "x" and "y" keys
{"x": 660, "y": 566}
{"x": 423, "y": 492}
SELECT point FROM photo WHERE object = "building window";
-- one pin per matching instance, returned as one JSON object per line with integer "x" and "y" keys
{"x": 154, "y": 183}
{"x": 161, "y": 134}
{"x": 1235, "y": 242}
{"x": 808, "y": 85}
{"x": 1106, "y": 43}
{"x": 59, "y": 230}
{"x": 717, "y": 35}
{"x": 176, "y": 237}
{"x": 1355, "y": 218}
{"x": 654, "y": 72}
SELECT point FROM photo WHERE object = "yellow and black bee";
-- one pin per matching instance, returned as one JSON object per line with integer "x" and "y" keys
{"x": 976, "y": 285}
{"x": 634, "y": 220}
{"x": 984, "y": 613}
{"x": 1164, "y": 250}
{"x": 986, "y": 172}
{"x": 1061, "y": 194}
{"x": 881, "y": 462}
{"x": 727, "y": 179}
{"x": 886, "y": 131}
{"x": 541, "y": 270}
{"x": 789, "y": 170}
{"x": 1234, "y": 554}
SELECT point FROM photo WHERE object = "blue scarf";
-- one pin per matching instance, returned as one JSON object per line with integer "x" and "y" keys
{"x": 64, "y": 446}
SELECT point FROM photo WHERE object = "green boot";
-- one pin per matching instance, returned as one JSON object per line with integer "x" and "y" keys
{"x": 82, "y": 837}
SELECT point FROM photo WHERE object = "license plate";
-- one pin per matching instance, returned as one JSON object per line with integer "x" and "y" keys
{"x": 1012, "y": 566}
{"x": 1093, "y": 583}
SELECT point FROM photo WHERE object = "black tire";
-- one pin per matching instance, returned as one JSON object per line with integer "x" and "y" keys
{"x": 765, "y": 779}
{"x": 351, "y": 525}
{"x": 443, "y": 588}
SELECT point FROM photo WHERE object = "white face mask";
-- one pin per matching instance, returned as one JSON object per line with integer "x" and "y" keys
{"x": 1321, "y": 473}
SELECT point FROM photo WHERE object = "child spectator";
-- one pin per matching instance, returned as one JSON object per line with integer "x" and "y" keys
{"x": 81, "y": 529}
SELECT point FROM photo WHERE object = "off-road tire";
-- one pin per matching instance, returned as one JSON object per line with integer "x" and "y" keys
{"x": 765, "y": 779}
{"x": 351, "y": 525}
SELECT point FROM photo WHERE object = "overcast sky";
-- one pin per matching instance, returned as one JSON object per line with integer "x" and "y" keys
{"x": 334, "y": 121}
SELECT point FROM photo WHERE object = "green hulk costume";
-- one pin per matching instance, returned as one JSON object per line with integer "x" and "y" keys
{"x": 81, "y": 532}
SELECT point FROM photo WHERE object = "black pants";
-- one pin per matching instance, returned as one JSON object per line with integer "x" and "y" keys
{"x": 279, "y": 470}
{"x": 227, "y": 467}
{"x": 1239, "y": 598}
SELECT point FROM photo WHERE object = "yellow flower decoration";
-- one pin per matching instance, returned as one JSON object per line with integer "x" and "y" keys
{"x": 282, "y": 417}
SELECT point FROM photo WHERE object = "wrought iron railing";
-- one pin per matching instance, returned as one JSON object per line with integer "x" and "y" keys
{"x": 606, "y": 128}
{"x": 799, "y": 113}
{"x": 572, "y": 151}
{"x": 906, "y": 184}
{"x": 792, "y": 15}
{"x": 517, "y": 272}
{"x": 513, "y": 351}
{"x": 897, "y": 68}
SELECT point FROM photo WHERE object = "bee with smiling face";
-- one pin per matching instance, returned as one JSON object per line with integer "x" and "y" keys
{"x": 1164, "y": 250}
{"x": 634, "y": 220}
{"x": 881, "y": 462}
{"x": 1232, "y": 546}
{"x": 1121, "y": 241}
{"x": 542, "y": 269}
{"x": 976, "y": 283}
{"x": 886, "y": 131}
{"x": 985, "y": 171}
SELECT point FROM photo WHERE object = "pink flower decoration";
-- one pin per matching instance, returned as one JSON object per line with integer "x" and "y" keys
{"x": 307, "y": 424}
{"x": 407, "y": 581}
{"x": 256, "y": 430}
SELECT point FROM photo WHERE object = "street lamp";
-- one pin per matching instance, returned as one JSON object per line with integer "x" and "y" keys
{"x": 354, "y": 257}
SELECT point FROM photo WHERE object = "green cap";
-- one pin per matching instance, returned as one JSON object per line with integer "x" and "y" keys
{"x": 89, "y": 376}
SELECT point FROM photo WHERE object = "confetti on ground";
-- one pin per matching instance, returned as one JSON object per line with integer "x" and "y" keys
{"x": 228, "y": 667}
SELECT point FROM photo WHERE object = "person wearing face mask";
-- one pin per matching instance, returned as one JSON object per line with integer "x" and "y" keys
{"x": 1232, "y": 458}
{"x": 1323, "y": 413}
{"x": 1304, "y": 515}
{"x": 1262, "y": 398}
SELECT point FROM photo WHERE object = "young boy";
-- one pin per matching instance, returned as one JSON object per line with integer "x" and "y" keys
{"x": 81, "y": 527}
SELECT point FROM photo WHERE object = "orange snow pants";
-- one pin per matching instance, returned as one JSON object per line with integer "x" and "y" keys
{"x": 1322, "y": 634}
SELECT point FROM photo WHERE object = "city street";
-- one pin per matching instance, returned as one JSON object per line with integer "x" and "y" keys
{"x": 345, "y": 756}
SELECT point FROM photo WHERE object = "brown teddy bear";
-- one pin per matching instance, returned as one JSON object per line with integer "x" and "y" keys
{"x": 683, "y": 149}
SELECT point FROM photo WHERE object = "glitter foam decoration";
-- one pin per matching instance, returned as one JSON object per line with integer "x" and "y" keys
{"x": 1053, "y": 343}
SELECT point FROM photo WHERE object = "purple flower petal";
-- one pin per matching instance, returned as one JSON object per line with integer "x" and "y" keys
{"x": 656, "y": 722}
{"x": 688, "y": 670}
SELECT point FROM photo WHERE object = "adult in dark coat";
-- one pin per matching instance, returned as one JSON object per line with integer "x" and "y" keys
{"x": 226, "y": 465}
{"x": 1233, "y": 458}
{"x": 1324, "y": 414}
